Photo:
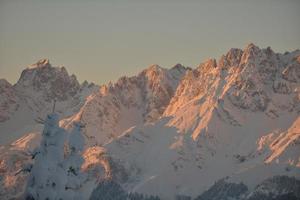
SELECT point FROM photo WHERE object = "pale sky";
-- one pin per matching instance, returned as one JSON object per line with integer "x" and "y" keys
{"x": 102, "y": 40}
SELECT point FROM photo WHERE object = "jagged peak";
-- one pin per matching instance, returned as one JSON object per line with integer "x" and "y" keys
{"x": 44, "y": 65}
{"x": 41, "y": 63}
{"x": 154, "y": 67}
{"x": 234, "y": 55}
{"x": 231, "y": 58}
{"x": 250, "y": 52}
{"x": 180, "y": 67}
{"x": 4, "y": 82}
{"x": 211, "y": 62}
{"x": 234, "y": 52}
{"x": 251, "y": 49}
{"x": 152, "y": 71}
{"x": 251, "y": 46}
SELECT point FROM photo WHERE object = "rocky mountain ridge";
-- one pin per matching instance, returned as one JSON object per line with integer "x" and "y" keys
{"x": 164, "y": 131}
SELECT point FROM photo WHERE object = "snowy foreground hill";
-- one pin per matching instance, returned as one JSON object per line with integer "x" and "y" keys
{"x": 227, "y": 129}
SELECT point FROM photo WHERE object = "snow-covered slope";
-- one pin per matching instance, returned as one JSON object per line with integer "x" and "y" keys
{"x": 33, "y": 95}
{"x": 159, "y": 160}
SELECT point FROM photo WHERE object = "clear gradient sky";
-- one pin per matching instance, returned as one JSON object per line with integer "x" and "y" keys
{"x": 105, "y": 39}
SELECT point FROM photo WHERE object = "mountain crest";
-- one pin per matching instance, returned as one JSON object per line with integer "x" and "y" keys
{"x": 231, "y": 58}
{"x": 152, "y": 70}
{"x": 41, "y": 63}
{"x": 173, "y": 127}
{"x": 210, "y": 63}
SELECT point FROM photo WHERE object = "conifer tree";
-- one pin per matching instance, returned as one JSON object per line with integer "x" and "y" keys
{"x": 47, "y": 177}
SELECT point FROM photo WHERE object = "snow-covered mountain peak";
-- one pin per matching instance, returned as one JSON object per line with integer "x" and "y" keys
{"x": 209, "y": 63}
{"x": 253, "y": 54}
{"x": 232, "y": 58}
{"x": 207, "y": 67}
{"x": 251, "y": 49}
{"x": 153, "y": 67}
{"x": 40, "y": 63}
{"x": 53, "y": 82}
{"x": 33, "y": 96}
{"x": 128, "y": 102}
{"x": 251, "y": 46}
{"x": 253, "y": 79}
{"x": 156, "y": 73}
{"x": 153, "y": 72}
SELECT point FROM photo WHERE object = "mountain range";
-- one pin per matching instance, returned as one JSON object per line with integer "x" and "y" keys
{"x": 178, "y": 133}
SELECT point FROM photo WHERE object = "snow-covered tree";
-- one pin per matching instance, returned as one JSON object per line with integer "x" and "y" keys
{"x": 56, "y": 175}
{"x": 47, "y": 178}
